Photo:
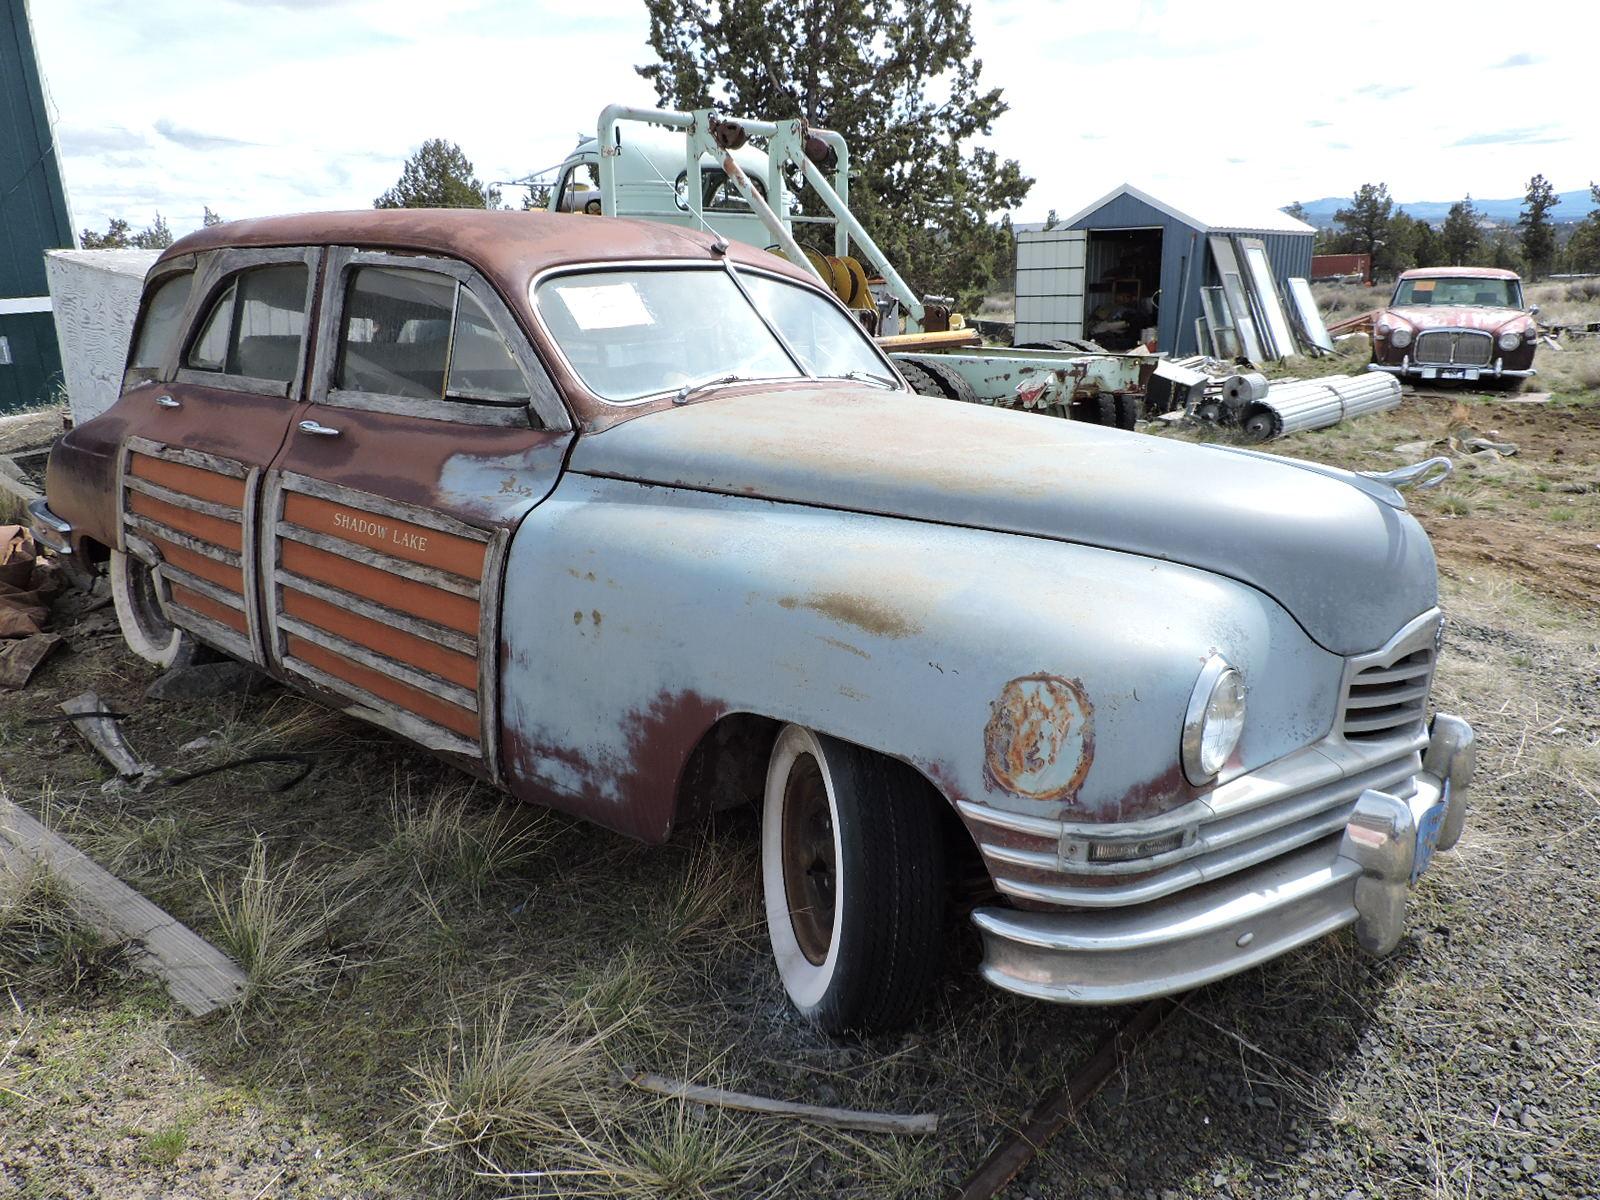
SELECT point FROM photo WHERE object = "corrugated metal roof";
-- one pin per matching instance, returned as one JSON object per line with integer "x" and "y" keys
{"x": 1215, "y": 213}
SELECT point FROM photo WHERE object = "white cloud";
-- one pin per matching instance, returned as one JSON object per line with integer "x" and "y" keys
{"x": 258, "y": 106}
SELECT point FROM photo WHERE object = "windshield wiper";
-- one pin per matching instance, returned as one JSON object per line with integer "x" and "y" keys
{"x": 868, "y": 377}
{"x": 689, "y": 389}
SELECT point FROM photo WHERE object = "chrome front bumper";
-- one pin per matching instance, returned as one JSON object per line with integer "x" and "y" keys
{"x": 1359, "y": 876}
{"x": 1446, "y": 371}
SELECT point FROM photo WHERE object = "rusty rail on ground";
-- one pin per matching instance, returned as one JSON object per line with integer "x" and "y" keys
{"x": 1057, "y": 1108}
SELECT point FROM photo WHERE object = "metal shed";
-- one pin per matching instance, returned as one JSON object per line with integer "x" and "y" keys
{"x": 1135, "y": 262}
{"x": 33, "y": 218}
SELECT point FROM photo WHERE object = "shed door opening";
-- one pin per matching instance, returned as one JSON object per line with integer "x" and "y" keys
{"x": 1122, "y": 286}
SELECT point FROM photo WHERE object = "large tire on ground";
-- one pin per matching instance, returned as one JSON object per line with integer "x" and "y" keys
{"x": 954, "y": 383}
{"x": 1127, "y": 412}
{"x": 852, "y": 864}
{"x": 1105, "y": 408}
{"x": 922, "y": 383}
{"x": 145, "y": 625}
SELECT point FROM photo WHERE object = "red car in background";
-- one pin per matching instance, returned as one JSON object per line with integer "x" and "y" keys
{"x": 1465, "y": 323}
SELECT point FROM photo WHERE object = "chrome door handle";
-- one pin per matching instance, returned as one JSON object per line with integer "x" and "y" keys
{"x": 319, "y": 430}
{"x": 168, "y": 402}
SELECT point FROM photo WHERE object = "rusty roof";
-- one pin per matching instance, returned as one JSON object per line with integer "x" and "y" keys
{"x": 504, "y": 244}
{"x": 1459, "y": 273}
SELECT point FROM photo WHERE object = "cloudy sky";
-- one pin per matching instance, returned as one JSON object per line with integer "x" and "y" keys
{"x": 258, "y": 106}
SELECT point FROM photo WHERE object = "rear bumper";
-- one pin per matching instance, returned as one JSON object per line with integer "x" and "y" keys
{"x": 1360, "y": 876}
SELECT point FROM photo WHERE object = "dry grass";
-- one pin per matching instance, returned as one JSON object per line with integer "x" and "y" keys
{"x": 451, "y": 841}
{"x": 44, "y": 941}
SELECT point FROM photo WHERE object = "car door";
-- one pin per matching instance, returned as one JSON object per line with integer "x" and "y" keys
{"x": 432, "y": 428}
{"x": 203, "y": 420}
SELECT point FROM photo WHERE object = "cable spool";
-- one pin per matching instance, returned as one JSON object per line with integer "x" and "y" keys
{"x": 845, "y": 276}
{"x": 1240, "y": 390}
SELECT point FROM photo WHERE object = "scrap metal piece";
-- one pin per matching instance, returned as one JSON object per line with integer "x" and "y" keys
{"x": 1309, "y": 315}
{"x": 838, "y": 1118}
{"x": 103, "y": 733}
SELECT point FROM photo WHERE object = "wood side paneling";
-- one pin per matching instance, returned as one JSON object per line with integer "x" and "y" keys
{"x": 199, "y": 565}
{"x": 207, "y": 607}
{"x": 392, "y": 591}
{"x": 402, "y": 539}
{"x": 211, "y": 529}
{"x": 429, "y": 708}
{"x": 191, "y": 481}
{"x": 393, "y": 643}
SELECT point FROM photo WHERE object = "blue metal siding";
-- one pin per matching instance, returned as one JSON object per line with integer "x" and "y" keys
{"x": 1290, "y": 254}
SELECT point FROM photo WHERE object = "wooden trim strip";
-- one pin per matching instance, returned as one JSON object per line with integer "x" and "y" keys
{"x": 223, "y": 512}
{"x": 389, "y": 692}
{"x": 412, "y": 596}
{"x": 178, "y": 577}
{"x": 394, "y": 618}
{"x": 394, "y": 536}
{"x": 380, "y": 637}
{"x": 192, "y": 458}
{"x": 489, "y": 656}
{"x": 463, "y": 698}
{"x": 443, "y": 580}
{"x": 212, "y": 632}
{"x": 381, "y": 504}
{"x": 499, "y": 414}
{"x": 194, "y": 545}
{"x": 380, "y": 712}
{"x": 189, "y": 481}
{"x": 207, "y": 607}
{"x": 224, "y": 576}
{"x": 201, "y": 525}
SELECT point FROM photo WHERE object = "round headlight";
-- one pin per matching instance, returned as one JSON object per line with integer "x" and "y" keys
{"x": 1214, "y": 721}
{"x": 1510, "y": 339}
{"x": 1400, "y": 337}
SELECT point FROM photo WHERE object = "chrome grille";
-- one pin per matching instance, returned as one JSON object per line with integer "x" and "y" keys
{"x": 1454, "y": 348}
{"x": 1386, "y": 692}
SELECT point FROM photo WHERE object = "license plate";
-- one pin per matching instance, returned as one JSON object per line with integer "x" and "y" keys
{"x": 1452, "y": 373}
{"x": 1427, "y": 838}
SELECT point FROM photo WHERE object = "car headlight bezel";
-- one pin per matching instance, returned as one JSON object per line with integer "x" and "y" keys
{"x": 1400, "y": 337}
{"x": 1214, "y": 720}
{"x": 1510, "y": 339}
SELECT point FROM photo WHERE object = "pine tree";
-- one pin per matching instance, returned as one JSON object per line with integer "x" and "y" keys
{"x": 438, "y": 175}
{"x": 1538, "y": 231}
{"x": 1583, "y": 250}
{"x": 899, "y": 80}
{"x": 1461, "y": 240}
{"x": 1366, "y": 222}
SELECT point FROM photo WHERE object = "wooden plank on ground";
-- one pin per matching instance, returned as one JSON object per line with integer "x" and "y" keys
{"x": 199, "y": 977}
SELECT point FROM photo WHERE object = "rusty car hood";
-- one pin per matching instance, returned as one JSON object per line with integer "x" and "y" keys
{"x": 1349, "y": 564}
{"x": 1452, "y": 316}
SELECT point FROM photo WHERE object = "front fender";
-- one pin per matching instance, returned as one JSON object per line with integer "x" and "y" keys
{"x": 1030, "y": 675}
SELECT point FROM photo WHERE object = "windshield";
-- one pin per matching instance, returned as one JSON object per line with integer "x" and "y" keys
{"x": 828, "y": 342}
{"x": 632, "y": 334}
{"x": 1487, "y": 293}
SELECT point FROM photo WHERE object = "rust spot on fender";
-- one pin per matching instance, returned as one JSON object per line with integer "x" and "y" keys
{"x": 1039, "y": 742}
{"x": 864, "y": 612}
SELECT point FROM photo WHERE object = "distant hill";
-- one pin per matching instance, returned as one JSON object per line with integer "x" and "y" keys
{"x": 1574, "y": 206}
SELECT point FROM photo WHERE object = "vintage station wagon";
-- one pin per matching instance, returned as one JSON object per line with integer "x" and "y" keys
{"x": 637, "y": 523}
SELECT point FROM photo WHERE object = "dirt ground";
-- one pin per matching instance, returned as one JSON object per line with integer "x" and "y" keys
{"x": 444, "y": 989}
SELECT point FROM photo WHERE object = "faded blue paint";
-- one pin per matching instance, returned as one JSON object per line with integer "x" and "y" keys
{"x": 1289, "y": 253}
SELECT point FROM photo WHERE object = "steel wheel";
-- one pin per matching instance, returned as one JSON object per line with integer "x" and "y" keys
{"x": 142, "y": 614}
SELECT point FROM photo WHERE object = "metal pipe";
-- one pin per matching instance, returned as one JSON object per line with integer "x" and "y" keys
{"x": 753, "y": 198}
{"x": 875, "y": 256}
{"x": 608, "y": 149}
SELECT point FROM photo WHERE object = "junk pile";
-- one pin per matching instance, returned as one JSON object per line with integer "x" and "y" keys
{"x": 1247, "y": 319}
{"x": 27, "y": 583}
{"x": 1204, "y": 389}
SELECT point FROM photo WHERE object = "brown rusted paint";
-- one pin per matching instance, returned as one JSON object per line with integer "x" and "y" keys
{"x": 383, "y": 639}
{"x": 864, "y": 612}
{"x": 405, "y": 595}
{"x": 191, "y": 481}
{"x": 227, "y": 534}
{"x": 1039, "y": 742}
{"x": 636, "y": 795}
{"x": 1163, "y": 793}
{"x": 199, "y": 565}
{"x": 428, "y": 707}
{"x": 400, "y": 539}
{"x": 207, "y": 607}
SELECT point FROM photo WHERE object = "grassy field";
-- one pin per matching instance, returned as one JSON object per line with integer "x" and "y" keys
{"x": 444, "y": 989}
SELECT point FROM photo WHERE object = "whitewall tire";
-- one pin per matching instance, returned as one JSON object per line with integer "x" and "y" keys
{"x": 143, "y": 617}
{"x": 852, "y": 864}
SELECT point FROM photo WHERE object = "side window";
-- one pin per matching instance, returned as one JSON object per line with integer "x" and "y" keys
{"x": 256, "y": 326}
{"x": 158, "y": 329}
{"x": 422, "y": 336}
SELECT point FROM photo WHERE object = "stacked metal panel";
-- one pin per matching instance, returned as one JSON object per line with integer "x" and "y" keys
{"x": 1298, "y": 404}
